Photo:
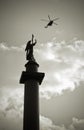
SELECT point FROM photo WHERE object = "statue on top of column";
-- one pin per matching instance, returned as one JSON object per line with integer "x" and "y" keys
{"x": 29, "y": 49}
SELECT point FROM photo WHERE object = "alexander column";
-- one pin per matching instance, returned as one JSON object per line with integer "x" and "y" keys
{"x": 31, "y": 79}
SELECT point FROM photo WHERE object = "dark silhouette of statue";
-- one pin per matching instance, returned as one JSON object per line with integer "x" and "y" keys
{"x": 29, "y": 49}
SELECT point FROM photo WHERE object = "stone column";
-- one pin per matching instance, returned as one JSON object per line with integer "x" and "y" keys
{"x": 31, "y": 79}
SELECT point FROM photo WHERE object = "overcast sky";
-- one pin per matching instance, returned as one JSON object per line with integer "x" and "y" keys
{"x": 60, "y": 54}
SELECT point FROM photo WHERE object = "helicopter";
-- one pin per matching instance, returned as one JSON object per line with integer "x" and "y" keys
{"x": 50, "y": 22}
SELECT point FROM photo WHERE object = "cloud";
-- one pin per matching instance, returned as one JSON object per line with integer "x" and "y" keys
{"x": 11, "y": 108}
{"x": 47, "y": 124}
{"x": 11, "y": 113}
{"x": 63, "y": 64}
{"x": 5, "y": 47}
{"x": 77, "y": 124}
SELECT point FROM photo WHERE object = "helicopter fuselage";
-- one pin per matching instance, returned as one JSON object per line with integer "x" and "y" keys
{"x": 50, "y": 23}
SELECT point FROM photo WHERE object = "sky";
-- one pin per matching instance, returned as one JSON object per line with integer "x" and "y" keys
{"x": 59, "y": 52}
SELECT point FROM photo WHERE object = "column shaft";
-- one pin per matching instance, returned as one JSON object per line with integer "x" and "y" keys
{"x": 31, "y": 105}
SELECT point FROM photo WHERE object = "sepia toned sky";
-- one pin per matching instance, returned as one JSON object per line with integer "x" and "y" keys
{"x": 18, "y": 19}
{"x": 60, "y": 54}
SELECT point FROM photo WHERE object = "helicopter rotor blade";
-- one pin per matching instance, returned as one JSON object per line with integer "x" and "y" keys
{"x": 55, "y": 23}
{"x": 55, "y": 19}
{"x": 45, "y": 20}
{"x": 49, "y": 17}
